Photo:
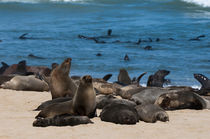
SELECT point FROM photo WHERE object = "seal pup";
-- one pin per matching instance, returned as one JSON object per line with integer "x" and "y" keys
{"x": 119, "y": 114}
{"x": 151, "y": 113}
{"x": 62, "y": 120}
{"x": 205, "y": 82}
{"x": 27, "y": 83}
{"x": 158, "y": 78}
{"x": 182, "y": 100}
{"x": 60, "y": 83}
{"x": 84, "y": 101}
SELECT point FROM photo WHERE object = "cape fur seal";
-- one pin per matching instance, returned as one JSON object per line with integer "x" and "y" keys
{"x": 205, "y": 82}
{"x": 60, "y": 83}
{"x": 4, "y": 67}
{"x": 123, "y": 77}
{"x": 62, "y": 120}
{"x": 151, "y": 113}
{"x": 83, "y": 103}
{"x": 182, "y": 100}
{"x": 119, "y": 114}
{"x": 29, "y": 83}
{"x": 158, "y": 78}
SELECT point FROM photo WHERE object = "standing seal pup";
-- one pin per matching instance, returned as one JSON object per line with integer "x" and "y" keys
{"x": 151, "y": 113}
{"x": 60, "y": 83}
{"x": 83, "y": 103}
{"x": 119, "y": 114}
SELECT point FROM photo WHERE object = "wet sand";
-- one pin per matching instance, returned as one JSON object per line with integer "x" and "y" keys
{"x": 17, "y": 116}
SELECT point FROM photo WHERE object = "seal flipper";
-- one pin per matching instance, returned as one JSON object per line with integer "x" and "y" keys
{"x": 139, "y": 78}
{"x": 107, "y": 77}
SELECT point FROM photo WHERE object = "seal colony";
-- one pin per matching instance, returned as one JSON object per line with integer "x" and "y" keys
{"x": 75, "y": 99}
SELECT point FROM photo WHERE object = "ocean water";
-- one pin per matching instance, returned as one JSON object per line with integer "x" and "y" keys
{"x": 54, "y": 26}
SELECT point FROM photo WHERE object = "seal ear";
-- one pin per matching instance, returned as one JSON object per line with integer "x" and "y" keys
{"x": 54, "y": 65}
{"x": 107, "y": 77}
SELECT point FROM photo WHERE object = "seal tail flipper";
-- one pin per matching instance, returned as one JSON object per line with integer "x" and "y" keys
{"x": 202, "y": 79}
{"x": 107, "y": 77}
{"x": 139, "y": 78}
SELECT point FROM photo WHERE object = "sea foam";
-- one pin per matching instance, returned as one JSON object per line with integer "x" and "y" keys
{"x": 204, "y": 3}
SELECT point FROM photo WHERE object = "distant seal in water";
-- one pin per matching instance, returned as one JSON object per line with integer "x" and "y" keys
{"x": 60, "y": 83}
{"x": 28, "y": 83}
{"x": 182, "y": 100}
{"x": 36, "y": 57}
{"x": 62, "y": 120}
{"x": 158, "y": 78}
{"x": 205, "y": 82}
{"x": 151, "y": 113}
{"x": 123, "y": 77}
{"x": 83, "y": 103}
{"x": 119, "y": 114}
{"x": 126, "y": 58}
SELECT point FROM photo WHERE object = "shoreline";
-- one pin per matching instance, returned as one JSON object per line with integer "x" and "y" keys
{"x": 17, "y": 116}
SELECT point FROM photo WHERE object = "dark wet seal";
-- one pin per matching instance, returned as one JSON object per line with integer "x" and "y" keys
{"x": 98, "y": 54}
{"x": 148, "y": 48}
{"x": 205, "y": 82}
{"x": 150, "y": 40}
{"x": 63, "y": 120}
{"x": 171, "y": 38}
{"x": 109, "y": 32}
{"x": 197, "y": 38}
{"x": 36, "y": 57}
{"x": 119, "y": 114}
{"x": 0, "y": 40}
{"x": 158, "y": 78}
{"x": 23, "y": 36}
{"x": 4, "y": 67}
{"x": 151, "y": 113}
{"x": 126, "y": 58}
{"x": 157, "y": 39}
{"x": 99, "y": 41}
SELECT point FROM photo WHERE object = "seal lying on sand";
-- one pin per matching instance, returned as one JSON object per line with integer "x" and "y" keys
{"x": 83, "y": 103}
{"x": 60, "y": 83}
{"x": 205, "y": 82}
{"x": 151, "y": 113}
{"x": 27, "y": 83}
{"x": 158, "y": 78}
{"x": 53, "y": 101}
{"x": 62, "y": 120}
{"x": 104, "y": 100}
{"x": 182, "y": 100}
{"x": 119, "y": 114}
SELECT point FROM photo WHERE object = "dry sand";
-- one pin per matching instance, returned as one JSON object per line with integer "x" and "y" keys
{"x": 17, "y": 116}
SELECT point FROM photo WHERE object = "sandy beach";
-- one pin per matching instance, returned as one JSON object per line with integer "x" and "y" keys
{"x": 17, "y": 116}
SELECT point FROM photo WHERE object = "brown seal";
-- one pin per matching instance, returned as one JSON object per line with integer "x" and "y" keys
{"x": 123, "y": 77}
{"x": 83, "y": 103}
{"x": 60, "y": 83}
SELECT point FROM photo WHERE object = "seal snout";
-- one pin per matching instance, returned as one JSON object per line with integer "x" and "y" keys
{"x": 68, "y": 60}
